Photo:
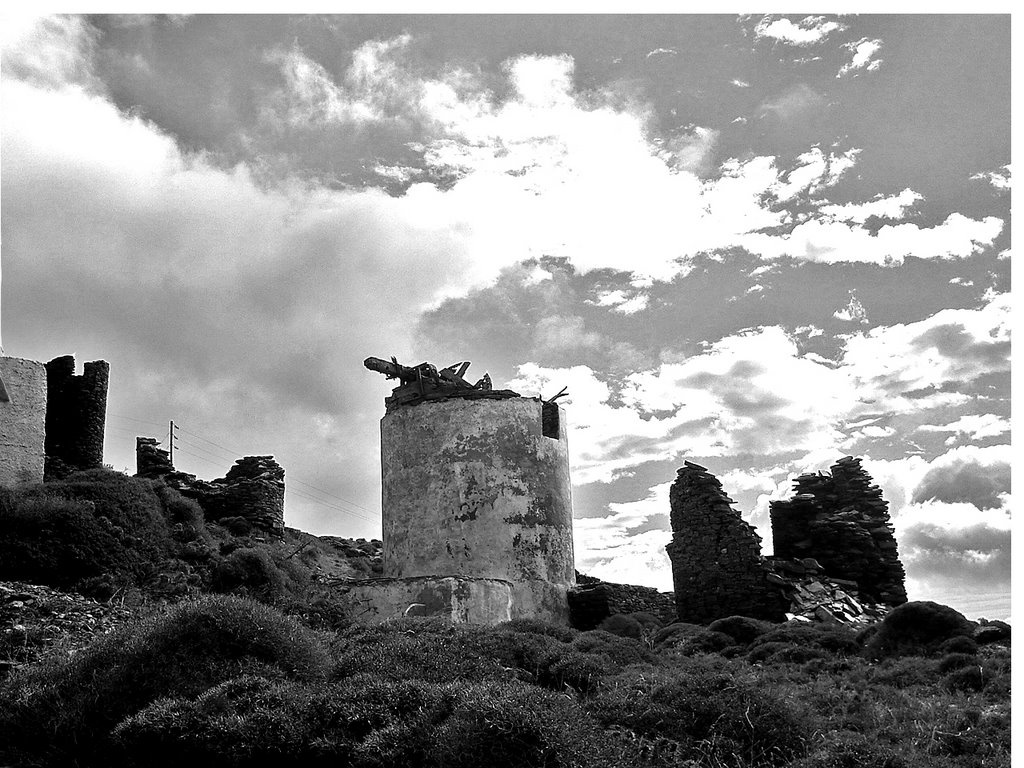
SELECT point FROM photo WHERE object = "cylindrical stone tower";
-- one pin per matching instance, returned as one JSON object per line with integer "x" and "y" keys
{"x": 480, "y": 488}
{"x": 76, "y": 414}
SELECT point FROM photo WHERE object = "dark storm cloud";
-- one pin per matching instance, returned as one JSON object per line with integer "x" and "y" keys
{"x": 963, "y": 478}
{"x": 976, "y": 556}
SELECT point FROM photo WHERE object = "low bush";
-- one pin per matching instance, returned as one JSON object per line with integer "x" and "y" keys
{"x": 916, "y": 628}
{"x": 743, "y": 629}
{"x": 849, "y": 749}
{"x": 714, "y": 716}
{"x": 704, "y": 641}
{"x": 363, "y": 722}
{"x": 958, "y": 644}
{"x": 622, "y": 625}
{"x": 905, "y": 672}
{"x": 67, "y": 706}
{"x": 538, "y": 627}
{"x": 966, "y": 678}
{"x": 516, "y": 726}
{"x": 836, "y": 639}
{"x": 250, "y": 572}
{"x": 621, "y": 651}
{"x": 674, "y": 630}
{"x": 952, "y": 661}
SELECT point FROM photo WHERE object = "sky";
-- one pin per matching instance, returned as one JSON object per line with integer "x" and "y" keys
{"x": 758, "y": 243}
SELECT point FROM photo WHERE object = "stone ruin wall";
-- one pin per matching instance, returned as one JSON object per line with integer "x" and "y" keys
{"x": 253, "y": 488}
{"x": 22, "y": 421}
{"x": 841, "y": 520}
{"x": 717, "y": 568}
{"x": 76, "y": 413}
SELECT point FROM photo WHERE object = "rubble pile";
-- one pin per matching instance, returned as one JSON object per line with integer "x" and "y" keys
{"x": 592, "y": 601}
{"x": 813, "y": 596}
{"x": 841, "y": 520}
{"x": 717, "y": 568}
{"x": 252, "y": 490}
{"x": 34, "y": 618}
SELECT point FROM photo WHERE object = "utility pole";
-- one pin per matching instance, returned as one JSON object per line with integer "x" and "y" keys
{"x": 170, "y": 441}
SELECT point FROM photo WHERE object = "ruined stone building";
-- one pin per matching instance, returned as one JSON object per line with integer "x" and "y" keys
{"x": 76, "y": 412}
{"x": 251, "y": 494}
{"x": 717, "y": 568}
{"x": 477, "y": 505}
{"x": 835, "y": 553}
{"x": 51, "y": 421}
{"x": 841, "y": 520}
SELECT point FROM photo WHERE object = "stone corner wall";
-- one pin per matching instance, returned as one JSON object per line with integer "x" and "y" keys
{"x": 76, "y": 413}
{"x": 22, "y": 421}
{"x": 717, "y": 568}
{"x": 253, "y": 488}
{"x": 840, "y": 519}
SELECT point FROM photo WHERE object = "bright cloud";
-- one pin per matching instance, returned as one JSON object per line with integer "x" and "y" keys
{"x": 808, "y": 31}
{"x": 864, "y": 52}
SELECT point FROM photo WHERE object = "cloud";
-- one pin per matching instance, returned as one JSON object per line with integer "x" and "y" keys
{"x": 755, "y": 392}
{"x": 999, "y": 179}
{"x": 796, "y": 103}
{"x": 971, "y": 475}
{"x": 49, "y": 51}
{"x": 853, "y": 312}
{"x": 975, "y": 427}
{"x": 808, "y": 31}
{"x": 864, "y": 56}
{"x": 832, "y": 242}
{"x": 891, "y": 207}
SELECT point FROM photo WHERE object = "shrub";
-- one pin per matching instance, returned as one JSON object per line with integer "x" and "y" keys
{"x": 848, "y": 749}
{"x": 621, "y": 651}
{"x": 54, "y": 541}
{"x": 763, "y": 651}
{"x": 905, "y": 672}
{"x": 704, "y": 641}
{"x": 743, "y": 629}
{"x": 836, "y": 639}
{"x": 67, "y": 706}
{"x": 916, "y": 628}
{"x": 515, "y": 726}
{"x": 249, "y": 571}
{"x": 676, "y": 629}
{"x": 958, "y": 644}
{"x": 363, "y": 722}
{"x": 967, "y": 679}
{"x": 952, "y": 661}
{"x": 622, "y": 625}
{"x": 433, "y": 650}
{"x": 538, "y": 627}
{"x": 711, "y": 715}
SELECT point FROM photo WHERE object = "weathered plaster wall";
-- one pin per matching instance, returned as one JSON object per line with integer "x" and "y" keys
{"x": 474, "y": 488}
{"x": 76, "y": 414}
{"x": 22, "y": 421}
{"x": 465, "y": 600}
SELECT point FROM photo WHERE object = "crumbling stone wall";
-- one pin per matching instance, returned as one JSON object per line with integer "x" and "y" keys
{"x": 22, "y": 420}
{"x": 717, "y": 568}
{"x": 76, "y": 413}
{"x": 840, "y": 519}
{"x": 253, "y": 488}
{"x": 592, "y": 601}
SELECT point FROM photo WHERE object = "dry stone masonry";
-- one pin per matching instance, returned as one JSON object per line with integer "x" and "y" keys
{"x": 76, "y": 413}
{"x": 717, "y": 568}
{"x": 252, "y": 490}
{"x": 840, "y": 519}
{"x": 592, "y": 601}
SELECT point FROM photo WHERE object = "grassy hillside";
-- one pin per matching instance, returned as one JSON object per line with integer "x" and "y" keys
{"x": 210, "y": 648}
